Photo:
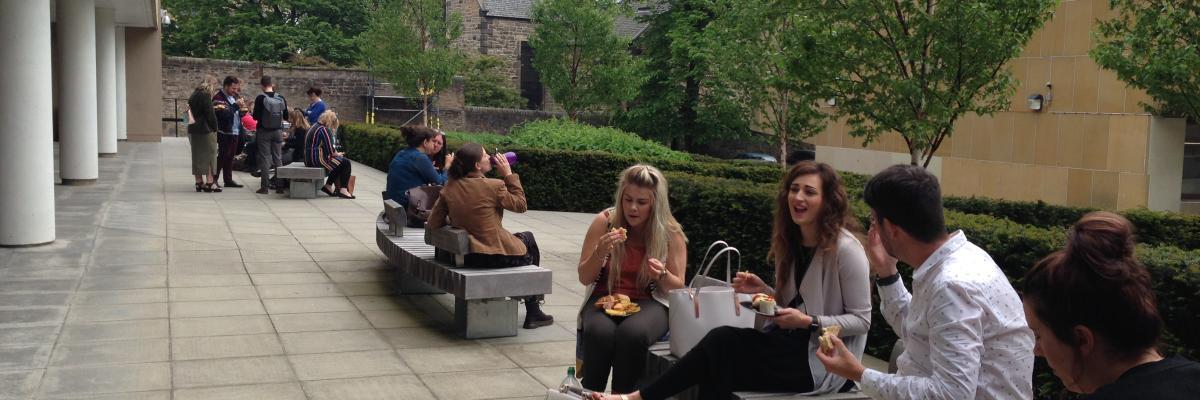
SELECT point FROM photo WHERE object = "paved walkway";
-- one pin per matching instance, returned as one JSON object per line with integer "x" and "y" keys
{"x": 153, "y": 291}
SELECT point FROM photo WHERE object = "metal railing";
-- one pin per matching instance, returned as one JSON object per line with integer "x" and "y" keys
{"x": 176, "y": 120}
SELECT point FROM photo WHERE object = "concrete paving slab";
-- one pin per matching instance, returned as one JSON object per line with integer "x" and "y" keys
{"x": 282, "y": 267}
{"x": 357, "y": 364}
{"x": 454, "y": 359}
{"x": 106, "y": 379}
{"x": 272, "y": 391}
{"x": 75, "y": 333}
{"x": 332, "y": 341}
{"x": 374, "y": 388}
{"x": 214, "y": 293}
{"x": 24, "y": 356}
{"x": 289, "y": 278}
{"x": 19, "y": 384}
{"x": 203, "y": 347}
{"x": 307, "y": 304}
{"x": 298, "y": 291}
{"x": 231, "y": 371}
{"x": 218, "y": 326}
{"x": 114, "y": 352}
{"x": 312, "y": 322}
{"x": 484, "y": 385}
{"x": 216, "y": 308}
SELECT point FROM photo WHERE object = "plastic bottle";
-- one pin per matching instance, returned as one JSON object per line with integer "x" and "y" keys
{"x": 570, "y": 382}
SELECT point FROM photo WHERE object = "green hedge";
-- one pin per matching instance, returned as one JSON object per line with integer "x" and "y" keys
{"x": 1153, "y": 227}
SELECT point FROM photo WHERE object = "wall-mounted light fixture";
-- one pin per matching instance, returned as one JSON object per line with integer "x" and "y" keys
{"x": 1035, "y": 102}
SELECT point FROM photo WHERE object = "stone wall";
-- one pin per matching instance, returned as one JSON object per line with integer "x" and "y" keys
{"x": 501, "y": 38}
{"x": 472, "y": 19}
{"x": 345, "y": 90}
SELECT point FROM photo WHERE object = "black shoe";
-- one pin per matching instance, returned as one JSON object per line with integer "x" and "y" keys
{"x": 279, "y": 189}
{"x": 262, "y": 191}
{"x": 233, "y": 184}
{"x": 256, "y": 174}
{"x": 537, "y": 320}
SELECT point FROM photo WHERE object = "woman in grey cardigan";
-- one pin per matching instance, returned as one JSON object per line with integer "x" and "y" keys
{"x": 814, "y": 251}
{"x": 202, "y": 135}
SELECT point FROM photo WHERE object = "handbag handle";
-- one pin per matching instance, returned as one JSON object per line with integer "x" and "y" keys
{"x": 692, "y": 291}
{"x": 710, "y": 248}
{"x": 728, "y": 263}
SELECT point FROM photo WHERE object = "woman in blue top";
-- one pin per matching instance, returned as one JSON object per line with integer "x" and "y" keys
{"x": 412, "y": 167}
{"x": 316, "y": 106}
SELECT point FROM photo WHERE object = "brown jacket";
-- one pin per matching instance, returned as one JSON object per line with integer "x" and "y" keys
{"x": 477, "y": 205}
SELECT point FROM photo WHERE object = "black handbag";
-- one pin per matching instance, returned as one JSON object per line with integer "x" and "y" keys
{"x": 420, "y": 204}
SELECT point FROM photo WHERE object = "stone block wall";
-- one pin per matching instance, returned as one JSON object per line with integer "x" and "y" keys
{"x": 344, "y": 90}
{"x": 501, "y": 38}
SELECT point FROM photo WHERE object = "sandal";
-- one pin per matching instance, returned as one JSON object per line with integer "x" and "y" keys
{"x": 214, "y": 188}
{"x": 339, "y": 194}
{"x": 200, "y": 186}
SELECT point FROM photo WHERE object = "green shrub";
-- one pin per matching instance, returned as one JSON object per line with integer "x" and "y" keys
{"x": 564, "y": 134}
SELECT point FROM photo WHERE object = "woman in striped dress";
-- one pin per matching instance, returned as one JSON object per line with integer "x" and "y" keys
{"x": 320, "y": 151}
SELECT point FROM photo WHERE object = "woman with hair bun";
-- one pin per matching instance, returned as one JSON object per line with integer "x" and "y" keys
{"x": 1096, "y": 321}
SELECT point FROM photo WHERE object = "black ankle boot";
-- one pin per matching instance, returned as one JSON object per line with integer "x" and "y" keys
{"x": 534, "y": 317}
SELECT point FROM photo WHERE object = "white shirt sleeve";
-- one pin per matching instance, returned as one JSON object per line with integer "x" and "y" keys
{"x": 893, "y": 300}
{"x": 955, "y": 322}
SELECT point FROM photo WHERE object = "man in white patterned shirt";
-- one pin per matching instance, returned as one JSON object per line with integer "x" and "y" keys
{"x": 963, "y": 326}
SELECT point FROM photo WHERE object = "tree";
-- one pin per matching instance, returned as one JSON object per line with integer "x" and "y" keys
{"x": 265, "y": 30}
{"x": 408, "y": 43}
{"x": 914, "y": 67}
{"x": 583, "y": 63}
{"x": 1151, "y": 45}
{"x": 775, "y": 53}
{"x": 487, "y": 87}
{"x": 682, "y": 102}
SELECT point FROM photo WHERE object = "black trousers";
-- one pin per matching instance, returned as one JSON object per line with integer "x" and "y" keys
{"x": 340, "y": 175}
{"x": 531, "y": 257}
{"x": 732, "y": 359}
{"x": 227, "y": 148}
{"x": 619, "y": 344}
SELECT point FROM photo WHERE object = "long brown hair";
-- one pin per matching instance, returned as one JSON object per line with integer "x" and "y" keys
{"x": 786, "y": 238}
{"x": 465, "y": 159}
{"x": 1096, "y": 281}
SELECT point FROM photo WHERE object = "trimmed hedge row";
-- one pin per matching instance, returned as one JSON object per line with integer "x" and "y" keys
{"x": 1153, "y": 227}
{"x": 739, "y": 212}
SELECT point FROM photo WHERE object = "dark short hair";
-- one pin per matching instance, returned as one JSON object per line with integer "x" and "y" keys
{"x": 1096, "y": 281}
{"x": 910, "y": 197}
{"x": 415, "y": 135}
{"x": 266, "y": 81}
{"x": 314, "y": 91}
{"x": 231, "y": 80}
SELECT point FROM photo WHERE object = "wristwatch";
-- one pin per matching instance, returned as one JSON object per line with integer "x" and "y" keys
{"x": 814, "y": 326}
{"x": 888, "y": 280}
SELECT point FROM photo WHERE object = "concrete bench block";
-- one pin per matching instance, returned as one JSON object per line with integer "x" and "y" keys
{"x": 294, "y": 172}
{"x": 304, "y": 188}
{"x": 485, "y": 318}
{"x": 395, "y": 216}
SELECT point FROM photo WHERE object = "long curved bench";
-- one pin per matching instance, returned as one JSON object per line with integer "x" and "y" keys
{"x": 485, "y": 302}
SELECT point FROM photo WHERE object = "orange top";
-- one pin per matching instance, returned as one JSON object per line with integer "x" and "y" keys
{"x": 634, "y": 254}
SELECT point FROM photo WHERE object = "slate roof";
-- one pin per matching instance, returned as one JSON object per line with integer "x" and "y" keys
{"x": 624, "y": 26}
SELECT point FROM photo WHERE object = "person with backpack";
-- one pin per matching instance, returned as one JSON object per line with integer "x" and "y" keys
{"x": 270, "y": 110}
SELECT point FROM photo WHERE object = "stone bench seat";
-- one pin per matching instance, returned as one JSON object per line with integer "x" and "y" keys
{"x": 485, "y": 302}
{"x": 659, "y": 359}
{"x": 303, "y": 182}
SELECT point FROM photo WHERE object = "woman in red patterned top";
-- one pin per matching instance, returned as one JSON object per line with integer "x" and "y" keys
{"x": 637, "y": 249}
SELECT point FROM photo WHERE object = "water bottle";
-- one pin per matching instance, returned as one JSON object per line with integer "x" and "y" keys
{"x": 570, "y": 384}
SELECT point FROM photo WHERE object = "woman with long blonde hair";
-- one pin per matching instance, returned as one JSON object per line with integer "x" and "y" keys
{"x": 320, "y": 150}
{"x": 635, "y": 249}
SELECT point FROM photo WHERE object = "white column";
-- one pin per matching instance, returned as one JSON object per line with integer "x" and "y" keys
{"x": 122, "y": 116}
{"x": 77, "y": 128}
{"x": 106, "y": 82}
{"x": 27, "y": 156}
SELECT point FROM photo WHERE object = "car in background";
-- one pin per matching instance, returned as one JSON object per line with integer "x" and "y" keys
{"x": 756, "y": 157}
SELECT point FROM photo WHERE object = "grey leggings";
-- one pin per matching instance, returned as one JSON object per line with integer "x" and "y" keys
{"x": 619, "y": 344}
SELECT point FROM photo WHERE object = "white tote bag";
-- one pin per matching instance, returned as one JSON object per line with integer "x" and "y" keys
{"x": 706, "y": 303}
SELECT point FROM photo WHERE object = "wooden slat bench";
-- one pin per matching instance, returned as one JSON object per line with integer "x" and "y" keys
{"x": 303, "y": 182}
{"x": 485, "y": 302}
